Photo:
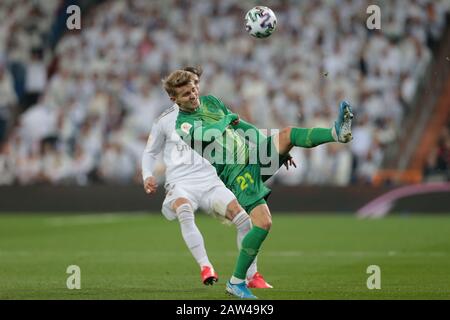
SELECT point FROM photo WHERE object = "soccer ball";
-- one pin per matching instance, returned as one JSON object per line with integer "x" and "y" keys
{"x": 260, "y": 22}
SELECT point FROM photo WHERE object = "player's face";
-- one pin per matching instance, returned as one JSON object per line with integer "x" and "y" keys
{"x": 196, "y": 82}
{"x": 187, "y": 97}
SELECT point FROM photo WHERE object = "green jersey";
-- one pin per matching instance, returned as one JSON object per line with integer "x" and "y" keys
{"x": 208, "y": 129}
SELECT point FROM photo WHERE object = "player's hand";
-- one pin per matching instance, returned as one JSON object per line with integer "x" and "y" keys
{"x": 150, "y": 185}
{"x": 290, "y": 162}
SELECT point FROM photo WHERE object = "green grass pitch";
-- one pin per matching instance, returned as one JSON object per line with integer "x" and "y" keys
{"x": 143, "y": 256}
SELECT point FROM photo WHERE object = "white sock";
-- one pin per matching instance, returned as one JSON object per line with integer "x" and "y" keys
{"x": 334, "y": 133}
{"x": 252, "y": 269}
{"x": 191, "y": 235}
{"x": 235, "y": 280}
{"x": 243, "y": 225}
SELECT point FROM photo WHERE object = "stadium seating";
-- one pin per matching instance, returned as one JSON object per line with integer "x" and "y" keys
{"x": 94, "y": 98}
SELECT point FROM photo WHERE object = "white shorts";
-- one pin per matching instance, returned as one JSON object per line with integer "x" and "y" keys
{"x": 211, "y": 196}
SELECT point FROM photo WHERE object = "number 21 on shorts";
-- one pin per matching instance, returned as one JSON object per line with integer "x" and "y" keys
{"x": 244, "y": 180}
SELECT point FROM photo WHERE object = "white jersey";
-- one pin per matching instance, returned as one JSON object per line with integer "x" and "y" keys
{"x": 182, "y": 163}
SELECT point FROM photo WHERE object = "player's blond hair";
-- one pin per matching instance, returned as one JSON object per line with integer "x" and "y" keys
{"x": 175, "y": 80}
{"x": 195, "y": 70}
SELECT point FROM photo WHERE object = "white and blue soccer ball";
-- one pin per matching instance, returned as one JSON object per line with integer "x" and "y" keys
{"x": 260, "y": 22}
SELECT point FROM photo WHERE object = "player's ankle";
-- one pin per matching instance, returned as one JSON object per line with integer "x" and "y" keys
{"x": 206, "y": 264}
{"x": 234, "y": 280}
{"x": 334, "y": 134}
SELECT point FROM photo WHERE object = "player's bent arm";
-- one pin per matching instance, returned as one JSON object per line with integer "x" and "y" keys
{"x": 249, "y": 128}
{"x": 207, "y": 133}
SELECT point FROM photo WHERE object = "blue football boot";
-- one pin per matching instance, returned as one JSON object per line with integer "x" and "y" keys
{"x": 240, "y": 290}
{"x": 343, "y": 124}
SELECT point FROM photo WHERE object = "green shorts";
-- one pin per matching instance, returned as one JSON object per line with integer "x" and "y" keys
{"x": 249, "y": 187}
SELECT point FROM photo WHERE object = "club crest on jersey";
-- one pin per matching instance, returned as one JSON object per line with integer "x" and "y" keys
{"x": 185, "y": 127}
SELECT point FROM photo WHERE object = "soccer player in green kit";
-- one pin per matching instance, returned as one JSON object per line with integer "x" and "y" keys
{"x": 241, "y": 161}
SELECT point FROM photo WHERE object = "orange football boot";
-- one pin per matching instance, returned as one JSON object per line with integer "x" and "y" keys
{"x": 209, "y": 276}
{"x": 257, "y": 281}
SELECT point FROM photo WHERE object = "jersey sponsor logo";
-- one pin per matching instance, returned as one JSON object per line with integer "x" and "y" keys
{"x": 185, "y": 127}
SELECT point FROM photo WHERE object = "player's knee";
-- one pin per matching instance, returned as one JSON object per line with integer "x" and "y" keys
{"x": 233, "y": 209}
{"x": 179, "y": 202}
{"x": 266, "y": 223}
{"x": 185, "y": 214}
{"x": 183, "y": 210}
{"x": 263, "y": 223}
{"x": 261, "y": 217}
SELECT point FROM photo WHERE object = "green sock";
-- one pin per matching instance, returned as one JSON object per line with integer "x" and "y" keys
{"x": 250, "y": 247}
{"x": 310, "y": 137}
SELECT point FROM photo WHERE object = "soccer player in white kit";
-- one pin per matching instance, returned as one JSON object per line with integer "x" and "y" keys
{"x": 192, "y": 183}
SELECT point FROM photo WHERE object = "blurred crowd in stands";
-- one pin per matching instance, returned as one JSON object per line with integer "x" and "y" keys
{"x": 79, "y": 110}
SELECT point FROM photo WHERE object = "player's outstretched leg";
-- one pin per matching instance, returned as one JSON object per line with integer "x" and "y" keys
{"x": 341, "y": 131}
